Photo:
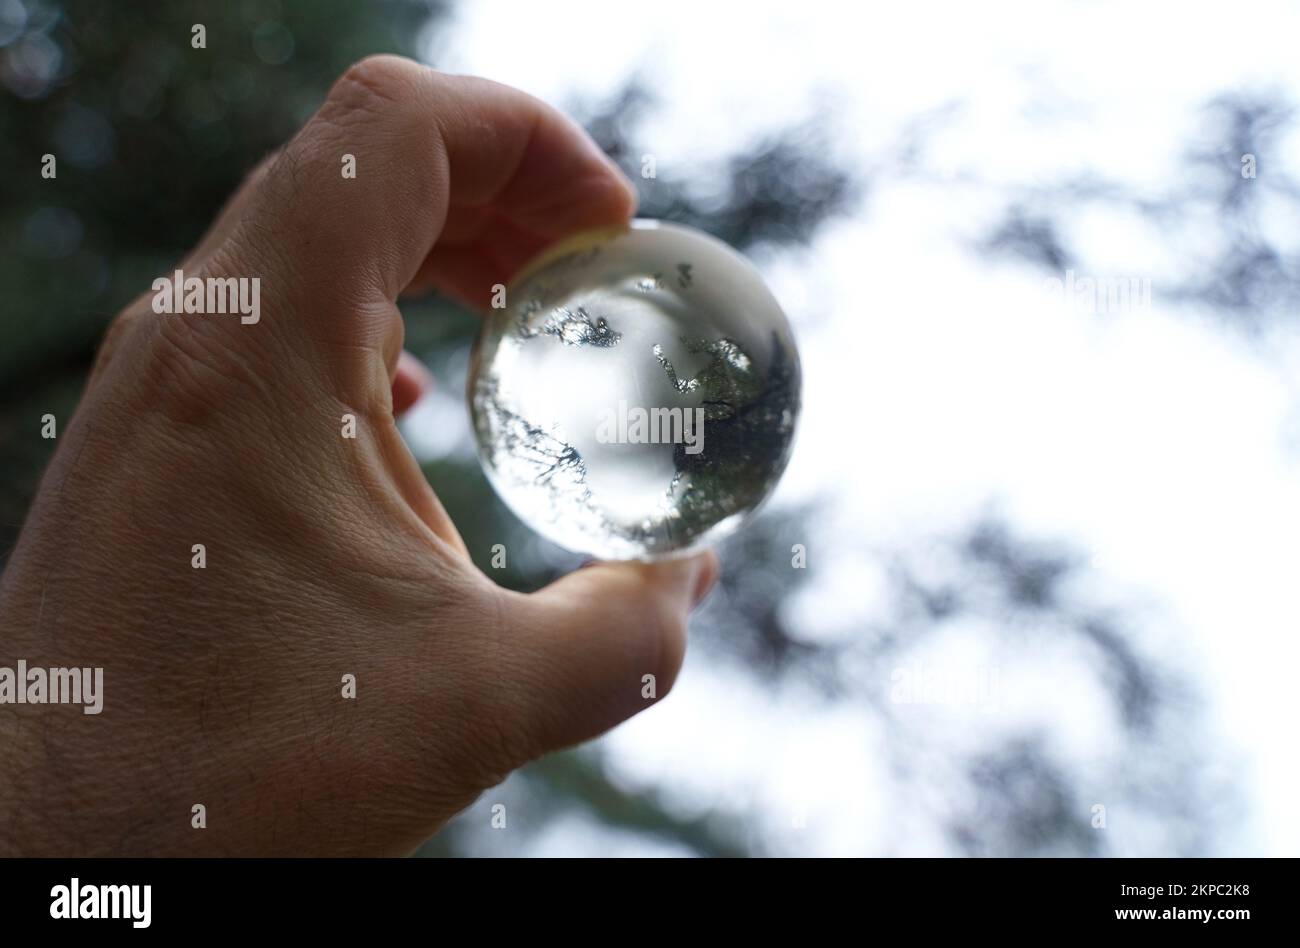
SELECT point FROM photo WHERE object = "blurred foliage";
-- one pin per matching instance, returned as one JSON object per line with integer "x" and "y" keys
{"x": 777, "y": 190}
{"x": 1212, "y": 214}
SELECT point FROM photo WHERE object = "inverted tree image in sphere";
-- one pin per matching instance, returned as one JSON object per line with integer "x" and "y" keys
{"x": 637, "y": 394}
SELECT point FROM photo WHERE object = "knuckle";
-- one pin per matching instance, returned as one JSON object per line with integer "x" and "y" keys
{"x": 189, "y": 365}
{"x": 376, "y": 82}
{"x": 190, "y": 372}
{"x": 117, "y": 338}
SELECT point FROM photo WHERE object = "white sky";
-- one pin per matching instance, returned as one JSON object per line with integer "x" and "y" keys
{"x": 1155, "y": 441}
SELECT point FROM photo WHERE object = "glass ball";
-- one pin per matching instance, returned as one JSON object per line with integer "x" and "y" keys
{"x": 636, "y": 396}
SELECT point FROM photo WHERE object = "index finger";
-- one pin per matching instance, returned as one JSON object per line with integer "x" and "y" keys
{"x": 454, "y": 180}
{"x": 523, "y": 176}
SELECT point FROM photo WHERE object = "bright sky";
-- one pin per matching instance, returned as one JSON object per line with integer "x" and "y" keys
{"x": 1154, "y": 440}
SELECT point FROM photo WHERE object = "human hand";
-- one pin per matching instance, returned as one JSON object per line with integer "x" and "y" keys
{"x": 325, "y": 556}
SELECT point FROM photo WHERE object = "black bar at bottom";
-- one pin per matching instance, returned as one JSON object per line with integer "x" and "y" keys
{"x": 1225, "y": 897}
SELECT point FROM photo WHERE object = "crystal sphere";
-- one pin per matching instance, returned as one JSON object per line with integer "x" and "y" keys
{"x": 636, "y": 395}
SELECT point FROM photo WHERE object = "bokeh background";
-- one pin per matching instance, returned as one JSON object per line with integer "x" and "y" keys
{"x": 1052, "y": 536}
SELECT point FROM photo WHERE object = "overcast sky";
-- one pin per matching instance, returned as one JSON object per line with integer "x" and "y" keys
{"x": 938, "y": 382}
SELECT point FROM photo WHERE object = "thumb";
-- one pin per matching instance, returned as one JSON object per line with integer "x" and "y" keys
{"x": 602, "y": 644}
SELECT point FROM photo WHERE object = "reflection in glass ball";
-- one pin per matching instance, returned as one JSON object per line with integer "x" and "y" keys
{"x": 637, "y": 395}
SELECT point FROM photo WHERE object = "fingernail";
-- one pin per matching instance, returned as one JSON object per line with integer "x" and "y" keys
{"x": 706, "y": 578}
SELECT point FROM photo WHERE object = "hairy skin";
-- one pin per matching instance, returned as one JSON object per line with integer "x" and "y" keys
{"x": 325, "y": 556}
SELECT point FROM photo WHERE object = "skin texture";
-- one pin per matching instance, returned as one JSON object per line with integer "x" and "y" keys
{"x": 325, "y": 556}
